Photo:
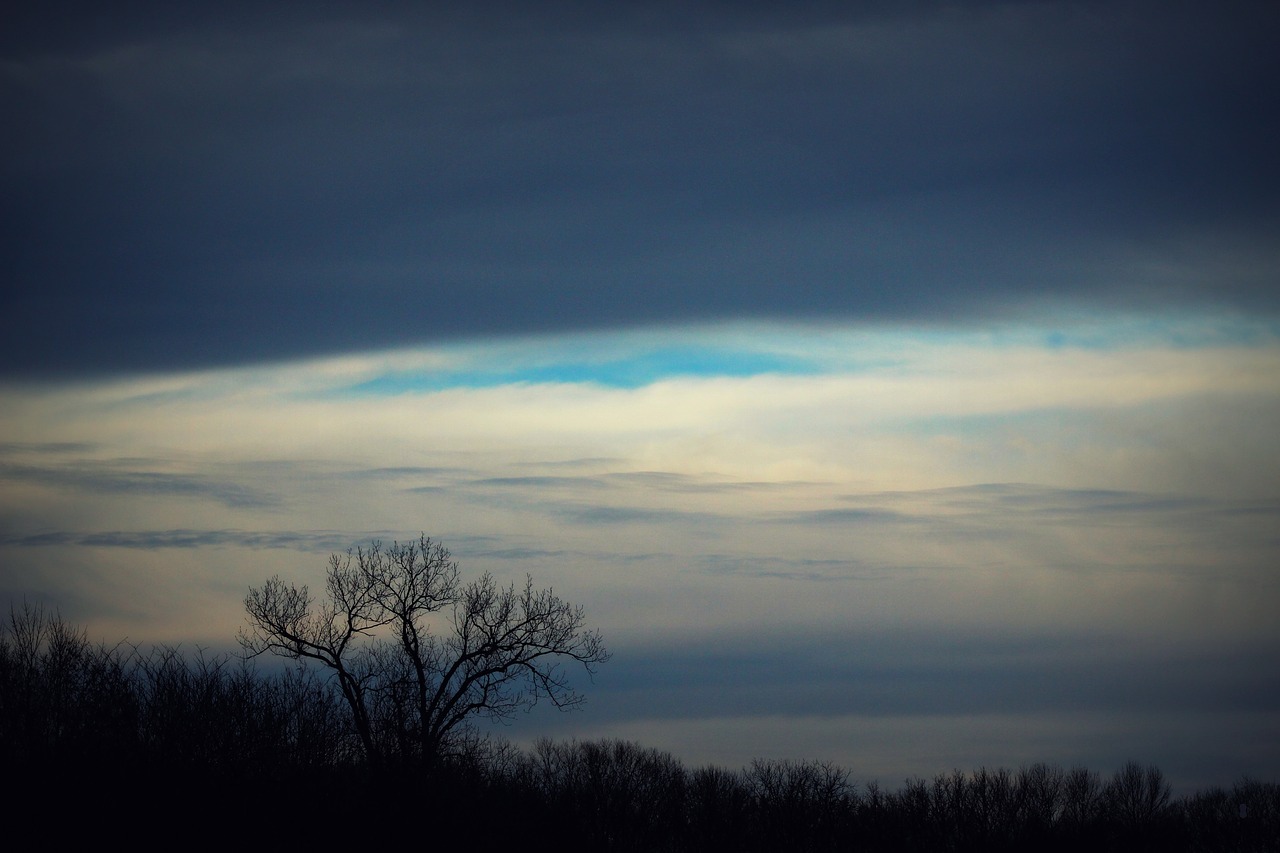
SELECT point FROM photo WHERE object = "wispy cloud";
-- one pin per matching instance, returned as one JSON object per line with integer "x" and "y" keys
{"x": 120, "y": 477}
{"x": 301, "y": 540}
{"x": 925, "y": 529}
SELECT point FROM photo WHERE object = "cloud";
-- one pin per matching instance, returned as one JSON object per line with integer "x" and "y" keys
{"x": 916, "y": 672}
{"x": 212, "y": 191}
{"x": 301, "y": 540}
{"x": 892, "y": 704}
{"x": 539, "y": 483}
{"x": 848, "y": 517}
{"x": 9, "y": 448}
{"x": 122, "y": 479}
{"x": 609, "y": 515}
{"x": 997, "y": 545}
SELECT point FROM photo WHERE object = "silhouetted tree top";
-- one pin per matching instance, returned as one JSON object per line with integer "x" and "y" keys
{"x": 412, "y": 680}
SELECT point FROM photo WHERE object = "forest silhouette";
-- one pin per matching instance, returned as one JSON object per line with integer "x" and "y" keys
{"x": 161, "y": 744}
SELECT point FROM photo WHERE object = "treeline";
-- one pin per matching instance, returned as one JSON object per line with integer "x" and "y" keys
{"x": 121, "y": 741}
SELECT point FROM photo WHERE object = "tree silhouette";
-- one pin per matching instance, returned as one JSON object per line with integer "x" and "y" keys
{"x": 409, "y": 689}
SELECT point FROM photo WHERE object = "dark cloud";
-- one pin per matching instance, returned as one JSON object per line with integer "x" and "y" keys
{"x": 658, "y": 481}
{"x": 320, "y": 541}
{"x": 402, "y": 471}
{"x": 151, "y": 539}
{"x": 843, "y": 517}
{"x": 530, "y": 494}
{"x": 186, "y": 187}
{"x": 123, "y": 479}
{"x": 16, "y": 448}
{"x": 538, "y": 483}
{"x": 1036, "y": 504}
{"x": 520, "y": 553}
{"x": 938, "y": 673}
{"x": 781, "y": 567}
{"x": 595, "y": 515}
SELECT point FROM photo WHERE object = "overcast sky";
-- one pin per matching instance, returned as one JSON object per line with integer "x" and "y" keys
{"x": 896, "y": 387}
{"x": 206, "y": 186}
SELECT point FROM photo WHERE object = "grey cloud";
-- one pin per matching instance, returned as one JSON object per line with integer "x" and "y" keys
{"x": 190, "y": 189}
{"x": 529, "y": 493}
{"x": 310, "y": 541}
{"x": 939, "y": 674}
{"x": 1042, "y": 500}
{"x": 606, "y": 515}
{"x": 672, "y": 482}
{"x": 797, "y": 569}
{"x": 511, "y": 548}
{"x": 538, "y": 483}
{"x": 303, "y": 540}
{"x": 520, "y": 553}
{"x": 119, "y": 478}
{"x": 16, "y": 448}
{"x": 873, "y": 516}
{"x": 990, "y": 512}
{"x": 1036, "y": 502}
{"x": 402, "y": 471}
{"x": 1007, "y": 512}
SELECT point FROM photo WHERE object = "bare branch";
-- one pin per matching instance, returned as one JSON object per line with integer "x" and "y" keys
{"x": 409, "y": 690}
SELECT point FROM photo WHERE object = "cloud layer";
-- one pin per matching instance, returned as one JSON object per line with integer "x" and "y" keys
{"x": 1062, "y": 533}
{"x": 188, "y": 189}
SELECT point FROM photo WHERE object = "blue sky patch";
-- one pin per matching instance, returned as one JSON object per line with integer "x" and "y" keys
{"x": 643, "y": 368}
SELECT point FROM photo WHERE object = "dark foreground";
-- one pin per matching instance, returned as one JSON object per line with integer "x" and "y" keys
{"x": 102, "y": 744}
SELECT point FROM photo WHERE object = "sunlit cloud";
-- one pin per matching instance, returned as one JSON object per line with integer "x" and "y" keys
{"x": 1049, "y": 495}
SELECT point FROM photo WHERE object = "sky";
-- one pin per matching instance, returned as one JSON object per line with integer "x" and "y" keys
{"x": 895, "y": 386}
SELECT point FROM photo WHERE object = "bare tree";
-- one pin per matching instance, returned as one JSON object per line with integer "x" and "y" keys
{"x": 1137, "y": 796}
{"x": 411, "y": 689}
